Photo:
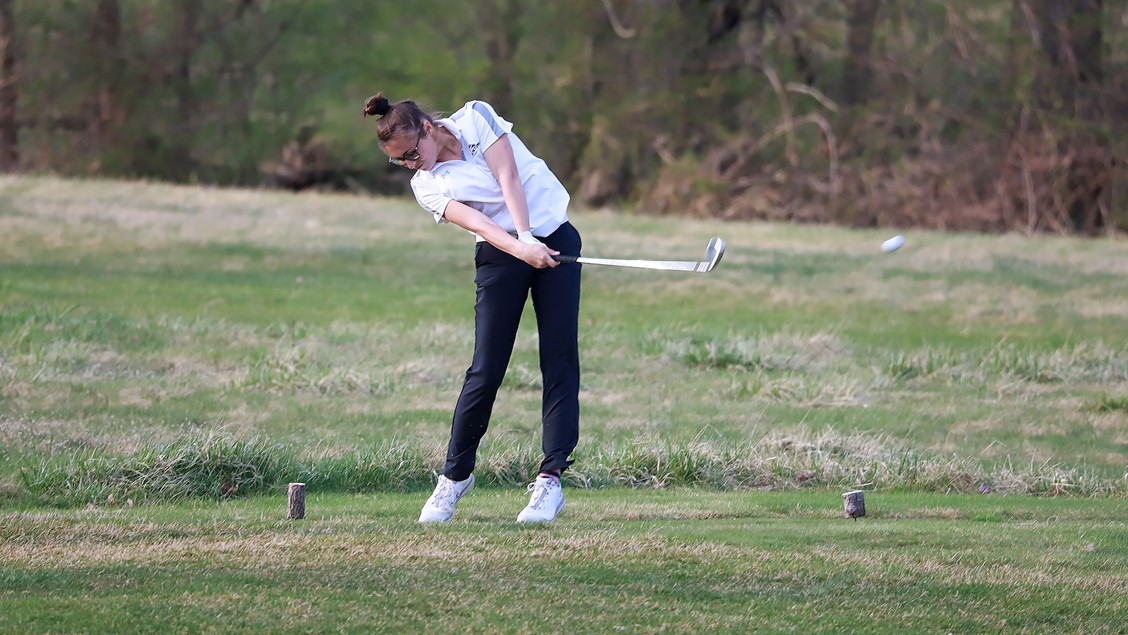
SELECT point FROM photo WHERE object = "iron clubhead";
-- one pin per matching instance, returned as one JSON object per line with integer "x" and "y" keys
{"x": 713, "y": 253}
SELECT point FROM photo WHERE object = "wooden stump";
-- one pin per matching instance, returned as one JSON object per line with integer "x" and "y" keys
{"x": 297, "y": 500}
{"x": 855, "y": 503}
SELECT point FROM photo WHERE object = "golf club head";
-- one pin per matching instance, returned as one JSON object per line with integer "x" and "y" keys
{"x": 713, "y": 253}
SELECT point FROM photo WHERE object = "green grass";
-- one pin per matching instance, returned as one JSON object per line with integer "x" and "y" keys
{"x": 221, "y": 467}
{"x": 132, "y": 315}
{"x": 166, "y": 352}
{"x": 619, "y": 561}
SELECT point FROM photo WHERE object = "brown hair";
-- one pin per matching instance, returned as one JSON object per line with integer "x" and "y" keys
{"x": 403, "y": 117}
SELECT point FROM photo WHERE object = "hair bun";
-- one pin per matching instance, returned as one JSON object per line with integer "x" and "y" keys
{"x": 377, "y": 105}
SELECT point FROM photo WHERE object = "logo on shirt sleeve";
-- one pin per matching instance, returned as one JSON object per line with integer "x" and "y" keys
{"x": 473, "y": 147}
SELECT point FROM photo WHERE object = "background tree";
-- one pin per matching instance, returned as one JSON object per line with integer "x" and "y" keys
{"x": 102, "y": 103}
{"x": 9, "y": 90}
{"x": 499, "y": 23}
{"x": 1071, "y": 37}
{"x": 989, "y": 115}
{"x": 1060, "y": 158}
{"x": 860, "y": 23}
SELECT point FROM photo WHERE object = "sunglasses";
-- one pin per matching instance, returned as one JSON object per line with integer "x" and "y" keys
{"x": 411, "y": 155}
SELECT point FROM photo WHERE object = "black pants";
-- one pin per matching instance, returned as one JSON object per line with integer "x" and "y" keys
{"x": 504, "y": 283}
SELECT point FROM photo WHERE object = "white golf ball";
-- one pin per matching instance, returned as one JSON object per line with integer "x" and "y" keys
{"x": 893, "y": 244}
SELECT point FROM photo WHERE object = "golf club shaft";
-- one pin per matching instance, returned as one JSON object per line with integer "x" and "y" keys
{"x": 713, "y": 253}
{"x": 665, "y": 265}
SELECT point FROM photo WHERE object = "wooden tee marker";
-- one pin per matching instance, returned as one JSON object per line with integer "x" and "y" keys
{"x": 855, "y": 503}
{"x": 297, "y": 500}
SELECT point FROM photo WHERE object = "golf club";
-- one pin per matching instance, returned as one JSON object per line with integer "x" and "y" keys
{"x": 713, "y": 253}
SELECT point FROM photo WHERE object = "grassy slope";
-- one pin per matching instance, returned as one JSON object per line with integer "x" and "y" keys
{"x": 135, "y": 313}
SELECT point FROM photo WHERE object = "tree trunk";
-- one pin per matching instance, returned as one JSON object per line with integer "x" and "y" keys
{"x": 789, "y": 24}
{"x": 498, "y": 22}
{"x": 189, "y": 41}
{"x": 1085, "y": 37}
{"x": 1071, "y": 36}
{"x": 1089, "y": 175}
{"x": 860, "y": 22}
{"x": 9, "y": 90}
{"x": 106, "y": 35}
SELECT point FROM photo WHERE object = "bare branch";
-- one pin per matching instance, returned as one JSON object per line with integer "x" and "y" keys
{"x": 785, "y": 108}
{"x": 620, "y": 30}
{"x": 788, "y": 128}
{"x": 811, "y": 91}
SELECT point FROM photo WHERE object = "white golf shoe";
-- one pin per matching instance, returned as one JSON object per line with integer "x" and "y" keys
{"x": 545, "y": 503}
{"x": 440, "y": 507}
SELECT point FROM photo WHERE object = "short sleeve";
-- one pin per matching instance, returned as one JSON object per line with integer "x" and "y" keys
{"x": 488, "y": 125}
{"x": 430, "y": 198}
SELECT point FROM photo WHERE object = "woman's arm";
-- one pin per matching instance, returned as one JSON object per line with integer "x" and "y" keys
{"x": 470, "y": 219}
{"x": 499, "y": 156}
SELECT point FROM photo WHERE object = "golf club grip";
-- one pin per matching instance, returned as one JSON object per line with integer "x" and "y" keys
{"x": 565, "y": 259}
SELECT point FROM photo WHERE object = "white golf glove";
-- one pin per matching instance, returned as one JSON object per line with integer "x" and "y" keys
{"x": 528, "y": 238}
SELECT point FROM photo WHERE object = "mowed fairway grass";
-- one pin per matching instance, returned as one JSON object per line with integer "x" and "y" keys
{"x": 171, "y": 357}
{"x": 619, "y": 561}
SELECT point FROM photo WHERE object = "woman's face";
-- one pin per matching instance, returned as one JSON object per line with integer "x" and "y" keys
{"x": 414, "y": 151}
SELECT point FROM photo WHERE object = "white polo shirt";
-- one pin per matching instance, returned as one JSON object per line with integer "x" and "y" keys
{"x": 471, "y": 182}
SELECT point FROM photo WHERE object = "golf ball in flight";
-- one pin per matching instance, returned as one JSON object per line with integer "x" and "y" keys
{"x": 893, "y": 244}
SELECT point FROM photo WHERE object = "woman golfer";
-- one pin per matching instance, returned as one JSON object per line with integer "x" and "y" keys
{"x": 471, "y": 170}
